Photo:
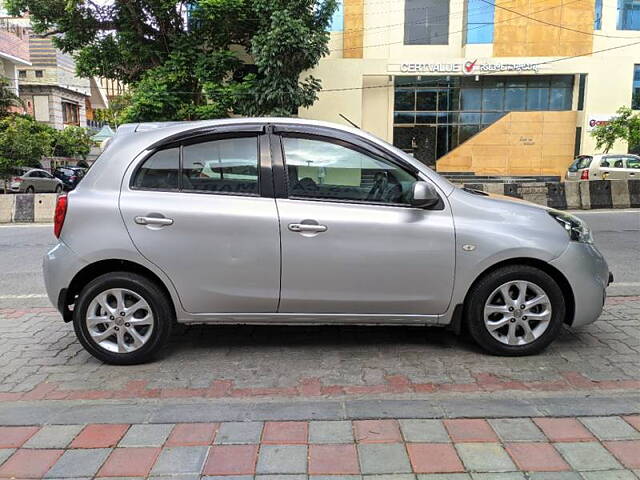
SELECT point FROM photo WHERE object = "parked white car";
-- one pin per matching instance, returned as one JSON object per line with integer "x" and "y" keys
{"x": 35, "y": 180}
{"x": 604, "y": 167}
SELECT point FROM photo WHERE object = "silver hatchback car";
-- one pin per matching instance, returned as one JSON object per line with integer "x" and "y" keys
{"x": 286, "y": 221}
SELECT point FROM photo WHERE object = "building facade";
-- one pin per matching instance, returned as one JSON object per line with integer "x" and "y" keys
{"x": 14, "y": 51}
{"x": 52, "y": 92}
{"x": 494, "y": 87}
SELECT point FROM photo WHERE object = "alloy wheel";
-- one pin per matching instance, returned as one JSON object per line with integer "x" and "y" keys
{"x": 119, "y": 320}
{"x": 517, "y": 313}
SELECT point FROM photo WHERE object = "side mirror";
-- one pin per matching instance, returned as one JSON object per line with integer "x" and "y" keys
{"x": 423, "y": 194}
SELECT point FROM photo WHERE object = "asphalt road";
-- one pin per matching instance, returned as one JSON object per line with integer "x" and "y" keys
{"x": 617, "y": 235}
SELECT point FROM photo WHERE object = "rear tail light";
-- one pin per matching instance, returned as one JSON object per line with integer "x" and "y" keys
{"x": 73, "y": 178}
{"x": 60, "y": 214}
{"x": 584, "y": 175}
{"x": 16, "y": 180}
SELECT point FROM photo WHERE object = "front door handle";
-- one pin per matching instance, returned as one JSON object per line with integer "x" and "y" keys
{"x": 153, "y": 221}
{"x": 307, "y": 228}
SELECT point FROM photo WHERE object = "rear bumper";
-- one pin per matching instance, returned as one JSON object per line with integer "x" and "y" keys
{"x": 59, "y": 266}
{"x": 588, "y": 274}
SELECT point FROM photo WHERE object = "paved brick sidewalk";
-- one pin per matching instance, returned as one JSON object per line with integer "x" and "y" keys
{"x": 41, "y": 359}
{"x": 534, "y": 448}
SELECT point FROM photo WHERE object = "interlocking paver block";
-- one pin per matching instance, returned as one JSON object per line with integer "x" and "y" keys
{"x": 390, "y": 476}
{"x": 231, "y": 460}
{"x": 14, "y": 437}
{"x": 498, "y": 476}
{"x": 564, "y": 430}
{"x": 377, "y": 431}
{"x": 626, "y": 451}
{"x": 228, "y": 477}
{"x": 383, "y": 458}
{"x": 27, "y": 463}
{"x": 536, "y": 457}
{"x": 586, "y": 456}
{"x": 330, "y": 432}
{"x": 239, "y": 432}
{"x": 281, "y": 476}
{"x": 53, "y": 436}
{"x": 180, "y": 460}
{"x": 434, "y": 458}
{"x": 633, "y": 420}
{"x": 609, "y": 475}
{"x": 554, "y": 476}
{"x": 426, "y": 431}
{"x": 192, "y": 434}
{"x": 282, "y": 459}
{"x": 79, "y": 463}
{"x": 485, "y": 457}
{"x": 6, "y": 453}
{"x": 99, "y": 436}
{"x": 333, "y": 460}
{"x": 129, "y": 462}
{"x": 610, "y": 428}
{"x": 470, "y": 430}
{"x": 153, "y": 435}
{"x": 517, "y": 430}
{"x": 444, "y": 476}
{"x": 335, "y": 477}
{"x": 285, "y": 433}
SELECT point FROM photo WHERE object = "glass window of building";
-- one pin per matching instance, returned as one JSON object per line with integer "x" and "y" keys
{"x": 479, "y": 26}
{"x": 426, "y": 22}
{"x": 628, "y": 14}
{"x": 635, "y": 97}
{"x": 435, "y": 114}
{"x": 597, "y": 17}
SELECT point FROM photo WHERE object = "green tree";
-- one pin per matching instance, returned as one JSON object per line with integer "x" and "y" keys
{"x": 114, "y": 114}
{"x": 8, "y": 98}
{"x": 72, "y": 142}
{"x": 194, "y": 59}
{"x": 23, "y": 142}
{"x": 624, "y": 126}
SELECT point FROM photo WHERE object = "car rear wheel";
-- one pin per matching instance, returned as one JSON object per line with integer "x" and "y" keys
{"x": 122, "y": 318}
{"x": 515, "y": 310}
{"x": 30, "y": 190}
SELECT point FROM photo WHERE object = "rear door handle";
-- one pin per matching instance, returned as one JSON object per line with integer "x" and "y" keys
{"x": 153, "y": 221}
{"x": 307, "y": 228}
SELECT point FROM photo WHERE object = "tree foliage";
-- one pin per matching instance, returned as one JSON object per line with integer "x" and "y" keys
{"x": 624, "y": 126}
{"x": 194, "y": 59}
{"x": 8, "y": 98}
{"x": 24, "y": 141}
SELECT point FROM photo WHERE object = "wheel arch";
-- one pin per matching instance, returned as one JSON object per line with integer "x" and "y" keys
{"x": 549, "y": 269}
{"x": 94, "y": 270}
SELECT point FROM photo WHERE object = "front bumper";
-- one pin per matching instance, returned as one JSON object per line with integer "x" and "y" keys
{"x": 588, "y": 274}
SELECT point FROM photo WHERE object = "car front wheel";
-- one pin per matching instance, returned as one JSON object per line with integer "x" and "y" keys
{"x": 515, "y": 310}
{"x": 122, "y": 318}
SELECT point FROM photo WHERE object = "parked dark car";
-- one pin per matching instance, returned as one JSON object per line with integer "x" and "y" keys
{"x": 70, "y": 176}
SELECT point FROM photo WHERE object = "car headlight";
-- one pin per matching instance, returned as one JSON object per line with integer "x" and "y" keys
{"x": 576, "y": 228}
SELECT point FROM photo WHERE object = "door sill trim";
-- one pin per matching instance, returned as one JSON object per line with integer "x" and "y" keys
{"x": 310, "y": 319}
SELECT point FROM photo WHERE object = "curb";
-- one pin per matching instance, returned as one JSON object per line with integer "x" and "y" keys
{"x": 460, "y": 406}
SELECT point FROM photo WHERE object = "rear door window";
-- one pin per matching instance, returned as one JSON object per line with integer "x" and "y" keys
{"x": 633, "y": 162}
{"x": 227, "y": 165}
{"x": 159, "y": 171}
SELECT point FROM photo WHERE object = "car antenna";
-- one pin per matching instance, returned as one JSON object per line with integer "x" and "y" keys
{"x": 353, "y": 124}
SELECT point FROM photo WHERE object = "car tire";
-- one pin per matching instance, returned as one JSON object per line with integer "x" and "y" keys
{"x": 515, "y": 332}
{"x": 30, "y": 190}
{"x": 92, "y": 320}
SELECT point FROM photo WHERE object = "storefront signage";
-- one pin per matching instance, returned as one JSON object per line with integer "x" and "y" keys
{"x": 597, "y": 120}
{"x": 469, "y": 67}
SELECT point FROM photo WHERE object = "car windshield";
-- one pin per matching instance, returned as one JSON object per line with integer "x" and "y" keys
{"x": 581, "y": 162}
